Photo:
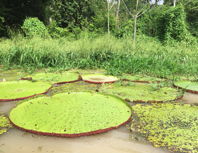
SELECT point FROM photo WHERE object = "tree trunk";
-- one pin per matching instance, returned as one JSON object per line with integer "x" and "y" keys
{"x": 108, "y": 22}
{"x": 134, "y": 30}
{"x": 117, "y": 14}
{"x": 174, "y": 3}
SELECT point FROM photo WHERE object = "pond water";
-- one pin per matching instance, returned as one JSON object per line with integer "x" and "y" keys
{"x": 115, "y": 141}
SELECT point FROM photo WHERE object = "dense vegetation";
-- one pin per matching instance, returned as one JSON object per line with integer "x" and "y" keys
{"x": 71, "y": 34}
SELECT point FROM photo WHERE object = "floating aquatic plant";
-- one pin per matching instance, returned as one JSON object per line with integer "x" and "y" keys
{"x": 189, "y": 86}
{"x": 17, "y": 90}
{"x": 54, "y": 77}
{"x": 75, "y": 87}
{"x": 99, "y": 78}
{"x": 4, "y": 124}
{"x": 168, "y": 125}
{"x": 71, "y": 114}
{"x": 141, "y": 78}
{"x": 138, "y": 92}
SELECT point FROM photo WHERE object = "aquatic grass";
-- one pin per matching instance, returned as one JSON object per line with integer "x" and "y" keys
{"x": 174, "y": 126}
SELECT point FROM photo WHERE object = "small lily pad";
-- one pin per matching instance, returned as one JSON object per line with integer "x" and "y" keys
{"x": 71, "y": 114}
{"x": 99, "y": 78}
{"x": 189, "y": 86}
{"x": 141, "y": 78}
{"x": 58, "y": 78}
{"x": 18, "y": 90}
{"x": 138, "y": 92}
{"x": 75, "y": 87}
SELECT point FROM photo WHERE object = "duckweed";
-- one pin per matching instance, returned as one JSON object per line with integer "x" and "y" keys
{"x": 4, "y": 124}
{"x": 168, "y": 125}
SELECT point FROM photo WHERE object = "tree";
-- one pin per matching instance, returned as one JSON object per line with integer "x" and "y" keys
{"x": 110, "y": 4}
{"x": 70, "y": 13}
{"x": 137, "y": 9}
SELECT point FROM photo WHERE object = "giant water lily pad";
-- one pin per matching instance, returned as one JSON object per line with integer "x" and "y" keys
{"x": 17, "y": 90}
{"x": 75, "y": 87}
{"x": 141, "y": 78}
{"x": 99, "y": 78}
{"x": 138, "y": 92}
{"x": 4, "y": 124}
{"x": 71, "y": 114}
{"x": 168, "y": 125}
{"x": 59, "y": 78}
{"x": 189, "y": 86}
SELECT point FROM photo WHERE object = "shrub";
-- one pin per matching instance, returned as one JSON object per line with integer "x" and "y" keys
{"x": 173, "y": 25}
{"x": 57, "y": 32}
{"x": 33, "y": 27}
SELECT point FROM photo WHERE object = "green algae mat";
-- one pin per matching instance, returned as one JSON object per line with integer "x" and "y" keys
{"x": 71, "y": 114}
{"x": 138, "y": 92}
{"x": 141, "y": 78}
{"x": 58, "y": 78}
{"x": 189, "y": 86}
{"x": 4, "y": 124}
{"x": 18, "y": 90}
{"x": 168, "y": 125}
{"x": 99, "y": 78}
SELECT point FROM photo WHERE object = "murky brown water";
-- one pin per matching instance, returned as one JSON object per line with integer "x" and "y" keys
{"x": 115, "y": 141}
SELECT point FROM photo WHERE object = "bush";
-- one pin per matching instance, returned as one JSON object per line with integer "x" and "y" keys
{"x": 173, "y": 25}
{"x": 2, "y": 28}
{"x": 57, "y": 32}
{"x": 33, "y": 27}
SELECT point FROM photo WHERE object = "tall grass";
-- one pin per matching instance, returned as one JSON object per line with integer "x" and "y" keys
{"x": 115, "y": 55}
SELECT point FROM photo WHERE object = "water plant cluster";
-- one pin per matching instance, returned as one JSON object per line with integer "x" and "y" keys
{"x": 4, "y": 124}
{"x": 78, "y": 106}
{"x": 168, "y": 125}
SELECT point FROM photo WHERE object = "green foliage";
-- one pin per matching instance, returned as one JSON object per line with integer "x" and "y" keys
{"x": 173, "y": 25}
{"x": 57, "y": 32}
{"x": 70, "y": 13}
{"x": 33, "y": 27}
{"x": 168, "y": 125}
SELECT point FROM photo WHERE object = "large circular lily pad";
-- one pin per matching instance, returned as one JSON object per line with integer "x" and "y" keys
{"x": 189, "y": 86}
{"x": 71, "y": 114}
{"x": 138, "y": 92}
{"x": 141, "y": 78}
{"x": 79, "y": 86}
{"x": 99, "y": 78}
{"x": 58, "y": 78}
{"x": 18, "y": 90}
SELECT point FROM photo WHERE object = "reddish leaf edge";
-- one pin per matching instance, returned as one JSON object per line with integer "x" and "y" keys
{"x": 71, "y": 135}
